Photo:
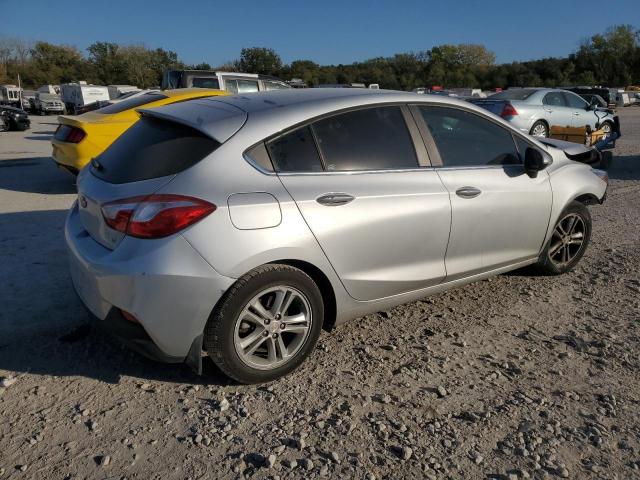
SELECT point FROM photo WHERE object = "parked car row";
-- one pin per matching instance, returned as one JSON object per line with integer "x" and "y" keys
{"x": 239, "y": 226}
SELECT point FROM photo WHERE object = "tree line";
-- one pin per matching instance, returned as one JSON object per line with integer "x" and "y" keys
{"x": 611, "y": 59}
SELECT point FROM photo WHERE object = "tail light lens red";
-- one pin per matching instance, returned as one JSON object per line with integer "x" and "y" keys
{"x": 155, "y": 216}
{"x": 69, "y": 134}
{"x": 508, "y": 111}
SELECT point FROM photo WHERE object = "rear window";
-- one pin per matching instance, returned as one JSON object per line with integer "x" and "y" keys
{"x": 515, "y": 94}
{"x": 205, "y": 82}
{"x": 152, "y": 148}
{"x": 132, "y": 103}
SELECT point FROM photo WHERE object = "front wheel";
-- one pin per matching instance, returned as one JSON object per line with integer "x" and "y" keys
{"x": 568, "y": 242}
{"x": 606, "y": 128}
{"x": 266, "y": 324}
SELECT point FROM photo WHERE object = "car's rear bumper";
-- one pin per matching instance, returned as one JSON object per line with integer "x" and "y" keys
{"x": 68, "y": 155}
{"x": 165, "y": 284}
{"x": 133, "y": 335}
{"x": 66, "y": 168}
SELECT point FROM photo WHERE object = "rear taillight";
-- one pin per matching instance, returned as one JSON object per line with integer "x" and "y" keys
{"x": 508, "y": 111}
{"x": 155, "y": 216}
{"x": 69, "y": 134}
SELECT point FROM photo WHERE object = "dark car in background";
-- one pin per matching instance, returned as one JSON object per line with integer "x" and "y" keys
{"x": 596, "y": 100}
{"x": 605, "y": 93}
{"x": 14, "y": 118}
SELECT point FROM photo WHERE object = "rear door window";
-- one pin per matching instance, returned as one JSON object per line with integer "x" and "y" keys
{"x": 555, "y": 99}
{"x": 367, "y": 139}
{"x": 152, "y": 148}
{"x": 465, "y": 139}
{"x": 205, "y": 82}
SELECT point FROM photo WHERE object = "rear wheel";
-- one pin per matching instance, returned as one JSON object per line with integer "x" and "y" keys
{"x": 568, "y": 242}
{"x": 266, "y": 324}
{"x": 539, "y": 129}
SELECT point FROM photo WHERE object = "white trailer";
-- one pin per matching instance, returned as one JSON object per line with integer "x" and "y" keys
{"x": 77, "y": 95}
{"x": 116, "y": 91}
{"x": 10, "y": 95}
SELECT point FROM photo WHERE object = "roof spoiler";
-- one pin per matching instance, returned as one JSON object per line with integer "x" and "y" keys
{"x": 215, "y": 119}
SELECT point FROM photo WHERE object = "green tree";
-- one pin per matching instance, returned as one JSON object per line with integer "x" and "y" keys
{"x": 107, "y": 63}
{"x": 55, "y": 64}
{"x": 260, "y": 60}
{"x": 611, "y": 56}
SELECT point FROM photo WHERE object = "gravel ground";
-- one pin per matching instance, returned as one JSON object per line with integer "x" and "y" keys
{"x": 514, "y": 377}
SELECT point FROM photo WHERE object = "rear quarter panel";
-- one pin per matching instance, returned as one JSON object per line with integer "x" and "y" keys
{"x": 528, "y": 114}
{"x": 234, "y": 251}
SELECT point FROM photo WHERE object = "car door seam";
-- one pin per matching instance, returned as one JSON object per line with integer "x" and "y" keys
{"x": 316, "y": 239}
{"x": 446, "y": 250}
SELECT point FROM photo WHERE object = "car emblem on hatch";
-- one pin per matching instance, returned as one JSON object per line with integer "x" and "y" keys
{"x": 83, "y": 202}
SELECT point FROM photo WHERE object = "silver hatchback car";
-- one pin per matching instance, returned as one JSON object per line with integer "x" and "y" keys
{"x": 536, "y": 110}
{"x": 241, "y": 226}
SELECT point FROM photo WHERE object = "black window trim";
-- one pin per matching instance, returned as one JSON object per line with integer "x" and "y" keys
{"x": 434, "y": 153}
{"x": 423, "y": 155}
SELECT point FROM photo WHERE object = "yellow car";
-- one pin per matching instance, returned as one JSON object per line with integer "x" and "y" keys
{"x": 79, "y": 139}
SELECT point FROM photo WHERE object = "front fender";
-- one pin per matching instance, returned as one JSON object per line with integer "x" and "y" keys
{"x": 569, "y": 182}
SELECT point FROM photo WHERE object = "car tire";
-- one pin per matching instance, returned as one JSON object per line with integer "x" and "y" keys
{"x": 235, "y": 321}
{"x": 539, "y": 129}
{"x": 561, "y": 253}
{"x": 607, "y": 127}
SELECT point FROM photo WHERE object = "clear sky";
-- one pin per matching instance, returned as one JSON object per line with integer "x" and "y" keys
{"x": 325, "y": 31}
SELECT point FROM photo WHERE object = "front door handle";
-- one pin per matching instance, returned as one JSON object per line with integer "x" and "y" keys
{"x": 468, "y": 192}
{"x": 335, "y": 199}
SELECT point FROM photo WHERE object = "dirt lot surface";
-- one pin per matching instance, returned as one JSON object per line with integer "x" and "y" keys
{"x": 513, "y": 377}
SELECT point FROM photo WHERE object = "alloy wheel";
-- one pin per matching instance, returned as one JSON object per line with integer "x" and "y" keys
{"x": 539, "y": 130}
{"x": 272, "y": 327}
{"x": 606, "y": 129}
{"x": 567, "y": 240}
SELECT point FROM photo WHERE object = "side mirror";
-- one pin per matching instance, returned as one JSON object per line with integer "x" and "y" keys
{"x": 533, "y": 162}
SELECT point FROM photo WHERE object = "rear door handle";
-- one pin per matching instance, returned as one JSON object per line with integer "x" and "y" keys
{"x": 335, "y": 199}
{"x": 468, "y": 192}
